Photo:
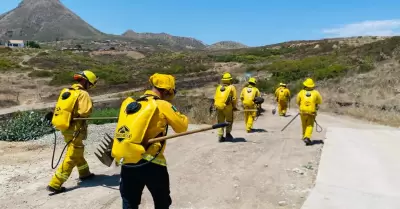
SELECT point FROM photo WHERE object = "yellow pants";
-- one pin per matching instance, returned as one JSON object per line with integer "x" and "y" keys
{"x": 225, "y": 115}
{"x": 307, "y": 122}
{"x": 73, "y": 157}
{"x": 282, "y": 107}
{"x": 249, "y": 117}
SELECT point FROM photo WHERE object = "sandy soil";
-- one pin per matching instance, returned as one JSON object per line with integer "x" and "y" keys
{"x": 270, "y": 169}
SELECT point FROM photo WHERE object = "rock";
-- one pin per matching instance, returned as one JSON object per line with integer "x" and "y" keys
{"x": 282, "y": 203}
{"x": 237, "y": 198}
{"x": 266, "y": 165}
{"x": 296, "y": 170}
{"x": 292, "y": 186}
{"x": 236, "y": 186}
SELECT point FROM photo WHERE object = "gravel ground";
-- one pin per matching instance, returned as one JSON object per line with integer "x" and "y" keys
{"x": 271, "y": 169}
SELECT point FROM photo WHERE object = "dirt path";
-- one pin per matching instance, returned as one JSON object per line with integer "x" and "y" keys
{"x": 270, "y": 169}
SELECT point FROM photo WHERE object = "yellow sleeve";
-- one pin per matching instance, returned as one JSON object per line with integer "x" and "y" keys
{"x": 242, "y": 94}
{"x": 258, "y": 94}
{"x": 298, "y": 99}
{"x": 319, "y": 98}
{"x": 178, "y": 122}
{"x": 276, "y": 92}
{"x": 216, "y": 90}
{"x": 234, "y": 96}
{"x": 85, "y": 105}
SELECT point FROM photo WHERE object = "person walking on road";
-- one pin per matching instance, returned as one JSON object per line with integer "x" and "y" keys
{"x": 247, "y": 96}
{"x": 282, "y": 97}
{"x": 144, "y": 164}
{"x": 75, "y": 102}
{"x": 308, "y": 100}
{"x": 225, "y": 101}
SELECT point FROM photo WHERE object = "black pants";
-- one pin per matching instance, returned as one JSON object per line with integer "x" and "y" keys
{"x": 133, "y": 180}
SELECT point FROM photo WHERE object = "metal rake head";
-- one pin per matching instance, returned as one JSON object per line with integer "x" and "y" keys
{"x": 104, "y": 150}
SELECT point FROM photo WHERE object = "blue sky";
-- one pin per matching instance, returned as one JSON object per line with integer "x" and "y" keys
{"x": 251, "y": 22}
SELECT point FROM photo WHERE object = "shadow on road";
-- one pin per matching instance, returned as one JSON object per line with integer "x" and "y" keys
{"x": 98, "y": 180}
{"x": 258, "y": 130}
{"x": 315, "y": 142}
{"x": 235, "y": 140}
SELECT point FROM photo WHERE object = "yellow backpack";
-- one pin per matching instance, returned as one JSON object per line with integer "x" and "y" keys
{"x": 64, "y": 108}
{"x": 222, "y": 95}
{"x": 248, "y": 97}
{"x": 307, "y": 103}
{"x": 282, "y": 94}
{"x": 134, "y": 118}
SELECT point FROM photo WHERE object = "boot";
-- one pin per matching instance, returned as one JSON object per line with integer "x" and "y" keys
{"x": 307, "y": 141}
{"x": 229, "y": 137}
{"x": 91, "y": 175}
{"x": 54, "y": 190}
{"x": 221, "y": 138}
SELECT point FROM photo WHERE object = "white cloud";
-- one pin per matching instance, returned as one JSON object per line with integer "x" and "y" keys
{"x": 366, "y": 28}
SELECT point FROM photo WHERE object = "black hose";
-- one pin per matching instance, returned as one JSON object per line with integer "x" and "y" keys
{"x": 54, "y": 150}
{"x": 318, "y": 126}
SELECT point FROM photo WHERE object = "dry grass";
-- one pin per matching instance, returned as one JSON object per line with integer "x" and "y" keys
{"x": 373, "y": 96}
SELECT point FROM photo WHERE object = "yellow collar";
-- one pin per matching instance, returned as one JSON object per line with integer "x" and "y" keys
{"x": 77, "y": 86}
{"x": 152, "y": 93}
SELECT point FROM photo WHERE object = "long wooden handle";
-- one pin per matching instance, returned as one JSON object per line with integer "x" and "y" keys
{"x": 159, "y": 139}
{"x": 97, "y": 118}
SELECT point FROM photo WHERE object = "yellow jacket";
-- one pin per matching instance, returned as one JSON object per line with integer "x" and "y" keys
{"x": 232, "y": 98}
{"x": 83, "y": 109}
{"x": 244, "y": 96}
{"x": 308, "y": 101}
{"x": 166, "y": 114}
{"x": 285, "y": 96}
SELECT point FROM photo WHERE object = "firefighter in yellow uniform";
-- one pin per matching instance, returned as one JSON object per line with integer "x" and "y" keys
{"x": 225, "y": 101}
{"x": 247, "y": 96}
{"x": 282, "y": 96}
{"x": 308, "y": 100}
{"x": 144, "y": 164}
{"x": 76, "y": 132}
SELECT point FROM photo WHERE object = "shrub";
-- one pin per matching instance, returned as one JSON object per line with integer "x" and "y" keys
{"x": 106, "y": 112}
{"x": 24, "y": 126}
{"x": 32, "y": 44}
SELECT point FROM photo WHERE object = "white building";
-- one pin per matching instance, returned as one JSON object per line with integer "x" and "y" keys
{"x": 15, "y": 43}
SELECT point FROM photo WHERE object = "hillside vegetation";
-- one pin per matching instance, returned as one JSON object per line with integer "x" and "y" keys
{"x": 334, "y": 64}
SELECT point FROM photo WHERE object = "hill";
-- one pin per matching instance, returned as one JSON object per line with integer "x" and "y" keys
{"x": 227, "y": 45}
{"x": 167, "y": 39}
{"x": 50, "y": 20}
{"x": 44, "y": 20}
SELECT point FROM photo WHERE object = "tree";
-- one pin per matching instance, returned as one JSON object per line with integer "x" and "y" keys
{"x": 32, "y": 44}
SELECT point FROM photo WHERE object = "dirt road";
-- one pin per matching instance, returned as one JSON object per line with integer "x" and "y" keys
{"x": 271, "y": 169}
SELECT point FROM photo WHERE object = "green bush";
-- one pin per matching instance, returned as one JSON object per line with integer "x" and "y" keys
{"x": 24, "y": 126}
{"x": 32, "y": 44}
{"x": 106, "y": 112}
{"x": 6, "y": 65}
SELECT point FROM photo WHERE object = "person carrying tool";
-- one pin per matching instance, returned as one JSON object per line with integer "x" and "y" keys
{"x": 225, "y": 101}
{"x": 308, "y": 100}
{"x": 144, "y": 164}
{"x": 74, "y": 102}
{"x": 282, "y": 97}
{"x": 248, "y": 94}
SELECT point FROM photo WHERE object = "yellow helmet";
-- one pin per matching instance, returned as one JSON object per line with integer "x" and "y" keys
{"x": 163, "y": 81}
{"x": 282, "y": 84}
{"x": 87, "y": 75}
{"x": 309, "y": 83}
{"x": 226, "y": 77}
{"x": 252, "y": 80}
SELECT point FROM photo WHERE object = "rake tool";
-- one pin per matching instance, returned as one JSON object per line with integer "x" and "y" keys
{"x": 105, "y": 151}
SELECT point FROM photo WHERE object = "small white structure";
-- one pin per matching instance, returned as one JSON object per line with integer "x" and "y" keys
{"x": 15, "y": 43}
